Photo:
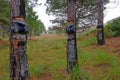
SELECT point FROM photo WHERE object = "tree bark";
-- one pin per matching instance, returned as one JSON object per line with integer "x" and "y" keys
{"x": 18, "y": 41}
{"x": 100, "y": 29}
{"x": 72, "y": 59}
{"x": 17, "y": 8}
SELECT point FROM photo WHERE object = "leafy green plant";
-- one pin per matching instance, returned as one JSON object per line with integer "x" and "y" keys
{"x": 112, "y": 29}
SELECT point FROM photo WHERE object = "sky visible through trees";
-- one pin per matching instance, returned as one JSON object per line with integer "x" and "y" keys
{"x": 113, "y": 9}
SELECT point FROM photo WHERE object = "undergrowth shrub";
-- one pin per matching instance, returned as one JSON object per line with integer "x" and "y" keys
{"x": 112, "y": 29}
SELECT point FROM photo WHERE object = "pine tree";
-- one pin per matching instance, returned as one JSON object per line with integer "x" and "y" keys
{"x": 72, "y": 59}
{"x": 4, "y": 17}
{"x": 18, "y": 40}
{"x": 100, "y": 29}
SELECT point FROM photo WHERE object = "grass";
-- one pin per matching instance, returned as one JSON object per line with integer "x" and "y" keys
{"x": 47, "y": 59}
{"x": 4, "y": 62}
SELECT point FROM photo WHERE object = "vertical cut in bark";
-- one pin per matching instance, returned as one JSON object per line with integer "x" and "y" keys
{"x": 18, "y": 41}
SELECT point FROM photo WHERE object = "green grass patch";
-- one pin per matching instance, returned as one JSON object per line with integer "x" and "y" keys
{"x": 4, "y": 63}
{"x": 48, "y": 56}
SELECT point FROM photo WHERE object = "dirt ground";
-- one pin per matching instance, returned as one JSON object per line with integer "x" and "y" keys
{"x": 45, "y": 76}
{"x": 48, "y": 36}
{"x": 4, "y": 42}
{"x": 113, "y": 45}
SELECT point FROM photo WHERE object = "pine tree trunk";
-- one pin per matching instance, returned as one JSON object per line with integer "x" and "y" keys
{"x": 18, "y": 41}
{"x": 72, "y": 59}
{"x": 17, "y": 8}
{"x": 100, "y": 29}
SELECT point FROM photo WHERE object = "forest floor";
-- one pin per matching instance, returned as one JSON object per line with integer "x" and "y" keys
{"x": 47, "y": 58}
{"x": 113, "y": 44}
